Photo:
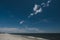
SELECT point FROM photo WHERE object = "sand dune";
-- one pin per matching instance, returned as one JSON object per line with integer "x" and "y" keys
{"x": 18, "y": 37}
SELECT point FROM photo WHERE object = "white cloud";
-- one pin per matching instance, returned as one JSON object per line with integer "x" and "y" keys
{"x": 30, "y": 15}
{"x": 21, "y": 22}
{"x": 35, "y": 7}
{"x": 31, "y": 30}
{"x": 37, "y": 11}
{"x": 21, "y": 30}
{"x": 43, "y": 4}
{"x": 8, "y": 30}
{"x": 48, "y": 2}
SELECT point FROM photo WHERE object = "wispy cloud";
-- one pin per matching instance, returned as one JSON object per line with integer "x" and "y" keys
{"x": 36, "y": 9}
{"x": 21, "y": 22}
{"x": 43, "y": 4}
{"x": 39, "y": 8}
{"x": 8, "y": 30}
{"x": 21, "y": 30}
{"x": 48, "y": 2}
{"x": 31, "y": 14}
{"x": 34, "y": 30}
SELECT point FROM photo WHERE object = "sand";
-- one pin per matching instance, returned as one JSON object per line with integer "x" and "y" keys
{"x": 18, "y": 37}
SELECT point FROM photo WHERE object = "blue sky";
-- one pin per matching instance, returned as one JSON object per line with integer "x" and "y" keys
{"x": 30, "y": 16}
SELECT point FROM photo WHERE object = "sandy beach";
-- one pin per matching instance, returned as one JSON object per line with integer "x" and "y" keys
{"x": 18, "y": 37}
